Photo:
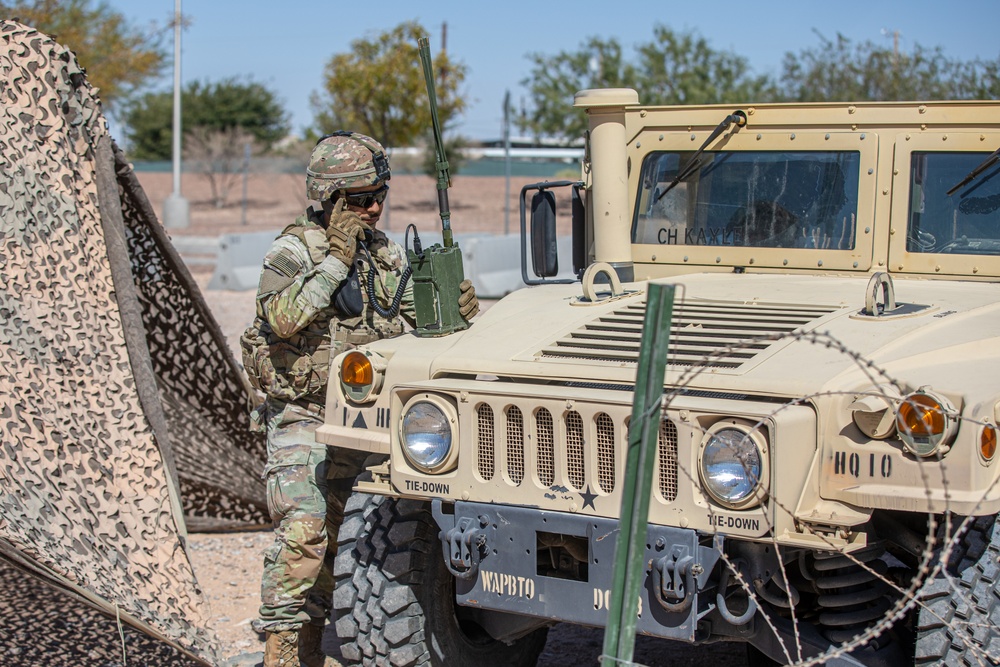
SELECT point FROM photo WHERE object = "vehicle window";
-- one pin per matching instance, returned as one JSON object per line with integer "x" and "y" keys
{"x": 967, "y": 222}
{"x": 772, "y": 199}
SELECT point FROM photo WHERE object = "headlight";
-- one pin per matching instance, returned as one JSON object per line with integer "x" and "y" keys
{"x": 426, "y": 434}
{"x": 361, "y": 375}
{"x": 925, "y": 423}
{"x": 733, "y": 464}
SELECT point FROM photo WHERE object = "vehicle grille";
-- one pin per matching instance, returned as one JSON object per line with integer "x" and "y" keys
{"x": 666, "y": 460}
{"x": 711, "y": 334}
{"x": 563, "y": 448}
{"x": 515, "y": 444}
{"x": 575, "y": 465}
{"x": 485, "y": 442}
{"x": 546, "y": 452}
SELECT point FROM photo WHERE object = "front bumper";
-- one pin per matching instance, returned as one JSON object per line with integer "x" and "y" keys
{"x": 493, "y": 552}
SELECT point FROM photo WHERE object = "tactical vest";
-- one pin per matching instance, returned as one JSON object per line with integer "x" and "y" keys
{"x": 299, "y": 366}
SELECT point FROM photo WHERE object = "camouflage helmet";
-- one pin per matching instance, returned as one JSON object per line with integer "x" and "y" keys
{"x": 343, "y": 161}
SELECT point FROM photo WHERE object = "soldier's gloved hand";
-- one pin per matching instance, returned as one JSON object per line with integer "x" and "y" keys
{"x": 343, "y": 232}
{"x": 468, "y": 302}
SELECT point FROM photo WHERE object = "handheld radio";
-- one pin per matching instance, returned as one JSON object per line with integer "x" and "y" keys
{"x": 437, "y": 270}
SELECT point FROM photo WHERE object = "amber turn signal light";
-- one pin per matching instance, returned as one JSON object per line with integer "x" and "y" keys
{"x": 924, "y": 423}
{"x": 988, "y": 442}
{"x": 356, "y": 370}
{"x": 921, "y": 416}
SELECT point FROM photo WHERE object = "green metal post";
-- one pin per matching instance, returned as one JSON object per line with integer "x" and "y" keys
{"x": 629, "y": 570}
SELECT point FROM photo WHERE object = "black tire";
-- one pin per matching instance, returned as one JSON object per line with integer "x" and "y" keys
{"x": 958, "y": 618}
{"x": 394, "y": 600}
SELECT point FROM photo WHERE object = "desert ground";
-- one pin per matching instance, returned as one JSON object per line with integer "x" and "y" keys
{"x": 274, "y": 200}
{"x": 228, "y": 565}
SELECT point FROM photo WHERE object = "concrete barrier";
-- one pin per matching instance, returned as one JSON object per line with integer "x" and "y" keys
{"x": 239, "y": 261}
{"x": 197, "y": 250}
{"x": 492, "y": 262}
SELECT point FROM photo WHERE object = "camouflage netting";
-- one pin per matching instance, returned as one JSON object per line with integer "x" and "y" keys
{"x": 106, "y": 349}
{"x": 42, "y": 624}
{"x": 204, "y": 393}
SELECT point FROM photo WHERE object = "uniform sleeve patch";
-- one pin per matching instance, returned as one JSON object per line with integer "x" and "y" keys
{"x": 284, "y": 263}
{"x": 272, "y": 282}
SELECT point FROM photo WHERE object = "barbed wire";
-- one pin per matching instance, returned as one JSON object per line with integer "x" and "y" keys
{"x": 935, "y": 557}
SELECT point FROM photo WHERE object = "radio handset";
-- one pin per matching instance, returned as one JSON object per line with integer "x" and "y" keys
{"x": 393, "y": 310}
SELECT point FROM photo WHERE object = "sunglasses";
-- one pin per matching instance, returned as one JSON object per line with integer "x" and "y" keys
{"x": 366, "y": 199}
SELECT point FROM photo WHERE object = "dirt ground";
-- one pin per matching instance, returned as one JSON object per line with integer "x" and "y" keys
{"x": 274, "y": 200}
{"x": 228, "y": 566}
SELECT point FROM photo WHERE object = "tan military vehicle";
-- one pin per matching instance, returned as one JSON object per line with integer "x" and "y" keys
{"x": 826, "y": 479}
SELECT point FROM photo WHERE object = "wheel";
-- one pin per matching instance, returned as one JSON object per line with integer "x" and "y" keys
{"x": 959, "y": 614}
{"x": 394, "y": 599}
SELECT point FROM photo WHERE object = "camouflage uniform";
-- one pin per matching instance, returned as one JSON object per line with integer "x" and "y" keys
{"x": 287, "y": 353}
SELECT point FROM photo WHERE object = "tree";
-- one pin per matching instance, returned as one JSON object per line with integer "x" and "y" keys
{"x": 219, "y": 106}
{"x": 118, "y": 57}
{"x": 681, "y": 68}
{"x": 555, "y": 79}
{"x": 674, "y": 68}
{"x": 148, "y": 126}
{"x": 219, "y": 154}
{"x": 840, "y": 70}
{"x": 379, "y": 89}
{"x": 453, "y": 152}
{"x": 979, "y": 79}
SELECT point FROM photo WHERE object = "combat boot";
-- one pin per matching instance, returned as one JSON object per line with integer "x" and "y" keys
{"x": 282, "y": 649}
{"x": 310, "y": 650}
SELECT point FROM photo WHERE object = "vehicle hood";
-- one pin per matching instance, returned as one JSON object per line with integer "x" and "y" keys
{"x": 775, "y": 335}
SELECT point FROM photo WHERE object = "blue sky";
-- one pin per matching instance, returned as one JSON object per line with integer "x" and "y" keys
{"x": 285, "y": 45}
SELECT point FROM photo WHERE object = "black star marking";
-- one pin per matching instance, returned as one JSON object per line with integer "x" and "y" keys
{"x": 588, "y": 498}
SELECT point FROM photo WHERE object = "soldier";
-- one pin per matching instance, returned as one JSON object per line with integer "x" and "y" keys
{"x": 312, "y": 305}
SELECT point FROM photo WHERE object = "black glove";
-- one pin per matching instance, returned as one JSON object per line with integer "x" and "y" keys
{"x": 468, "y": 303}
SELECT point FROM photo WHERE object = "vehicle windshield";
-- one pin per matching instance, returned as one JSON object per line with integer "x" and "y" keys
{"x": 967, "y": 222}
{"x": 764, "y": 199}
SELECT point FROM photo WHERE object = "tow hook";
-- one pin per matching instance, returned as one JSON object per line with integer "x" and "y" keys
{"x": 674, "y": 579}
{"x": 738, "y": 565}
{"x": 462, "y": 545}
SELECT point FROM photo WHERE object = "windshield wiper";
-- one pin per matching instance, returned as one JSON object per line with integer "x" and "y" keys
{"x": 975, "y": 172}
{"x": 689, "y": 167}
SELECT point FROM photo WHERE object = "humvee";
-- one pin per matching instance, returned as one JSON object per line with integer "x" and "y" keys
{"x": 826, "y": 480}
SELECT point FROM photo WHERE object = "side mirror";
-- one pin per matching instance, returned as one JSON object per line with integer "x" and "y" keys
{"x": 579, "y": 232}
{"x": 544, "y": 243}
{"x": 544, "y": 249}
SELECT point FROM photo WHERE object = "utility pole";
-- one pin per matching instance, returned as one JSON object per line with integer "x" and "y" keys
{"x": 246, "y": 175}
{"x": 176, "y": 212}
{"x": 895, "y": 44}
{"x": 444, "y": 52}
{"x": 506, "y": 163}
